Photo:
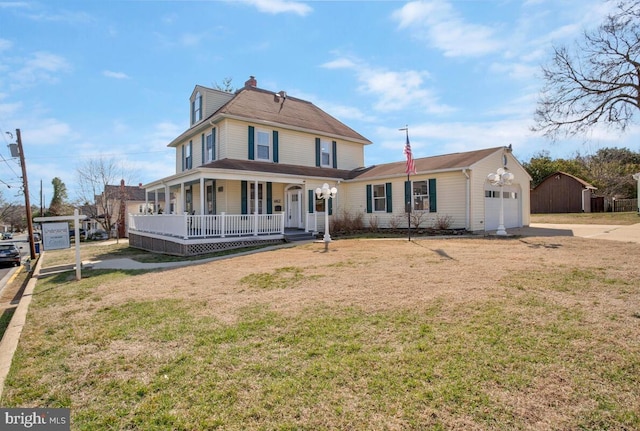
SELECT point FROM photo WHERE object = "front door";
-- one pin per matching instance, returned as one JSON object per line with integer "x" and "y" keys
{"x": 294, "y": 207}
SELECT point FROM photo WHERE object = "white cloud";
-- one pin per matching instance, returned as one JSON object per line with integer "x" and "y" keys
{"x": 115, "y": 75}
{"x": 280, "y": 6}
{"x": 438, "y": 23}
{"x": 40, "y": 67}
{"x": 5, "y": 44}
{"x": 394, "y": 90}
{"x": 48, "y": 131}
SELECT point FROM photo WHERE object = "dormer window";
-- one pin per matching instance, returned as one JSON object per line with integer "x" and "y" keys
{"x": 196, "y": 108}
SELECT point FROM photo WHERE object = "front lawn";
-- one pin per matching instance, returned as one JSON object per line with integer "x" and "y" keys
{"x": 438, "y": 334}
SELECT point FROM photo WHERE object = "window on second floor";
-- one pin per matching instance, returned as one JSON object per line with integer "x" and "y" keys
{"x": 196, "y": 108}
{"x": 263, "y": 145}
{"x": 325, "y": 153}
{"x": 188, "y": 159}
{"x": 210, "y": 142}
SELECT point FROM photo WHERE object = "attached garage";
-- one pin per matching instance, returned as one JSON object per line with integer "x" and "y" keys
{"x": 512, "y": 200}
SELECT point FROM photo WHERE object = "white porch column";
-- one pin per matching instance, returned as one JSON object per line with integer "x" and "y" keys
{"x": 155, "y": 201}
{"x": 202, "y": 209}
{"x": 181, "y": 208}
{"x": 255, "y": 208}
{"x": 167, "y": 200}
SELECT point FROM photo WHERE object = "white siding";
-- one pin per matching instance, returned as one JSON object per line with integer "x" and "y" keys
{"x": 479, "y": 173}
{"x": 450, "y": 201}
{"x": 296, "y": 148}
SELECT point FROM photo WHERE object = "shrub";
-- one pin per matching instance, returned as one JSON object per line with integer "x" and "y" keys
{"x": 443, "y": 222}
{"x": 417, "y": 218}
{"x": 373, "y": 224}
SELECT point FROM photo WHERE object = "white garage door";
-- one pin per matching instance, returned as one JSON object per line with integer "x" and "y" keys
{"x": 512, "y": 207}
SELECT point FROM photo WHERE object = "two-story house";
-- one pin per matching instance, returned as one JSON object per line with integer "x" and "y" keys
{"x": 248, "y": 166}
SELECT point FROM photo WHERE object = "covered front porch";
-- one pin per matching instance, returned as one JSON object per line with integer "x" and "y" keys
{"x": 207, "y": 210}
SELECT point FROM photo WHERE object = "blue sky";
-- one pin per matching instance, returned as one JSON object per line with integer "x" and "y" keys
{"x": 85, "y": 79}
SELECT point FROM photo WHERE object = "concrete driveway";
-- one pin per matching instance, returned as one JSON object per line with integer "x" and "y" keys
{"x": 626, "y": 233}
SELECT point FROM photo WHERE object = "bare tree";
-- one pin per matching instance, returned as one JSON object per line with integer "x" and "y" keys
{"x": 226, "y": 85}
{"x": 98, "y": 181}
{"x": 598, "y": 83}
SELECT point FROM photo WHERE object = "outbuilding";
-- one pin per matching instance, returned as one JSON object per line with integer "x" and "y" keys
{"x": 561, "y": 192}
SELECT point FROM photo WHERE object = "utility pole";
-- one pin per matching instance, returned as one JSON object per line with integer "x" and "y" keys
{"x": 32, "y": 245}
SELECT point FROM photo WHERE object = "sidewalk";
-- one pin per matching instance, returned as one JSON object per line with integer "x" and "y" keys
{"x": 625, "y": 233}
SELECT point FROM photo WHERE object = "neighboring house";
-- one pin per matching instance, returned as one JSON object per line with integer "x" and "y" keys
{"x": 113, "y": 206}
{"x": 248, "y": 167}
{"x": 561, "y": 193}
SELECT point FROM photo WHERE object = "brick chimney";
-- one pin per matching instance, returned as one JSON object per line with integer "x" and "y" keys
{"x": 251, "y": 82}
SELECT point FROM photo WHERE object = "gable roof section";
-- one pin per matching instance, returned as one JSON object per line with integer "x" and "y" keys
{"x": 446, "y": 162}
{"x": 280, "y": 168}
{"x": 131, "y": 193}
{"x": 255, "y": 104}
{"x": 584, "y": 184}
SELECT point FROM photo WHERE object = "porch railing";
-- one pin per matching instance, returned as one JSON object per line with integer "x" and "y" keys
{"x": 207, "y": 226}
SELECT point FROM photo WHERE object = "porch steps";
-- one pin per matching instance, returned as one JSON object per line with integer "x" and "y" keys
{"x": 297, "y": 235}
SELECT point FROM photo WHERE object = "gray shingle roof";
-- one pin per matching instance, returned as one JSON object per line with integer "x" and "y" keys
{"x": 281, "y": 168}
{"x": 423, "y": 165}
{"x": 253, "y": 103}
{"x": 429, "y": 164}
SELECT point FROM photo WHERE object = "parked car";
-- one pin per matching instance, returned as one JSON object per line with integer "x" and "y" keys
{"x": 72, "y": 233}
{"x": 36, "y": 237}
{"x": 97, "y": 234}
{"x": 7, "y": 235}
{"x": 9, "y": 253}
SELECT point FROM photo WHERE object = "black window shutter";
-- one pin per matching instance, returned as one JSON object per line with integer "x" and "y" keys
{"x": 389, "y": 198}
{"x": 334, "y": 153}
{"x": 269, "y": 198}
{"x": 312, "y": 202}
{"x": 243, "y": 197}
{"x": 183, "y": 157}
{"x": 318, "y": 152}
{"x": 213, "y": 144}
{"x": 203, "y": 150}
{"x": 369, "y": 199}
{"x": 251, "y": 143}
{"x": 433, "y": 206}
{"x": 330, "y": 206}
{"x": 275, "y": 147}
{"x": 407, "y": 196}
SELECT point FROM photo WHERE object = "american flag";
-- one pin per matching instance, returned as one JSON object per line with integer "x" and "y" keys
{"x": 411, "y": 165}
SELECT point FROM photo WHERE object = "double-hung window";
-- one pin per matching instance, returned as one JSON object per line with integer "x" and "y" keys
{"x": 252, "y": 199}
{"x": 325, "y": 153}
{"x": 263, "y": 145}
{"x": 379, "y": 197}
{"x": 421, "y": 195}
{"x": 210, "y": 146}
{"x": 196, "y": 108}
{"x": 188, "y": 159}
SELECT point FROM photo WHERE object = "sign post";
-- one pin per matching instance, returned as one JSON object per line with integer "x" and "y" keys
{"x": 52, "y": 235}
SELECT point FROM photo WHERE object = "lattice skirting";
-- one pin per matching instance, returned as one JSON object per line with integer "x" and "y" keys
{"x": 167, "y": 246}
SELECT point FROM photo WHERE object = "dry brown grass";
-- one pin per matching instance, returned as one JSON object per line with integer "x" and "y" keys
{"x": 561, "y": 313}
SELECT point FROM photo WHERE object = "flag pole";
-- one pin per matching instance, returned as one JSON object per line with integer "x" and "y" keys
{"x": 410, "y": 167}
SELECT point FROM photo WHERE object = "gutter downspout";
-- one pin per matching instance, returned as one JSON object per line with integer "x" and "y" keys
{"x": 468, "y": 200}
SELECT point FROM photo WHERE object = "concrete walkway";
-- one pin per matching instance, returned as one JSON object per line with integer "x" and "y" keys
{"x": 625, "y": 233}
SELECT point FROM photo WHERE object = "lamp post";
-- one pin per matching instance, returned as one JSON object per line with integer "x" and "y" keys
{"x": 501, "y": 178}
{"x": 326, "y": 193}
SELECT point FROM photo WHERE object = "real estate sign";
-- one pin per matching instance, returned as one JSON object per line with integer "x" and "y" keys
{"x": 55, "y": 236}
